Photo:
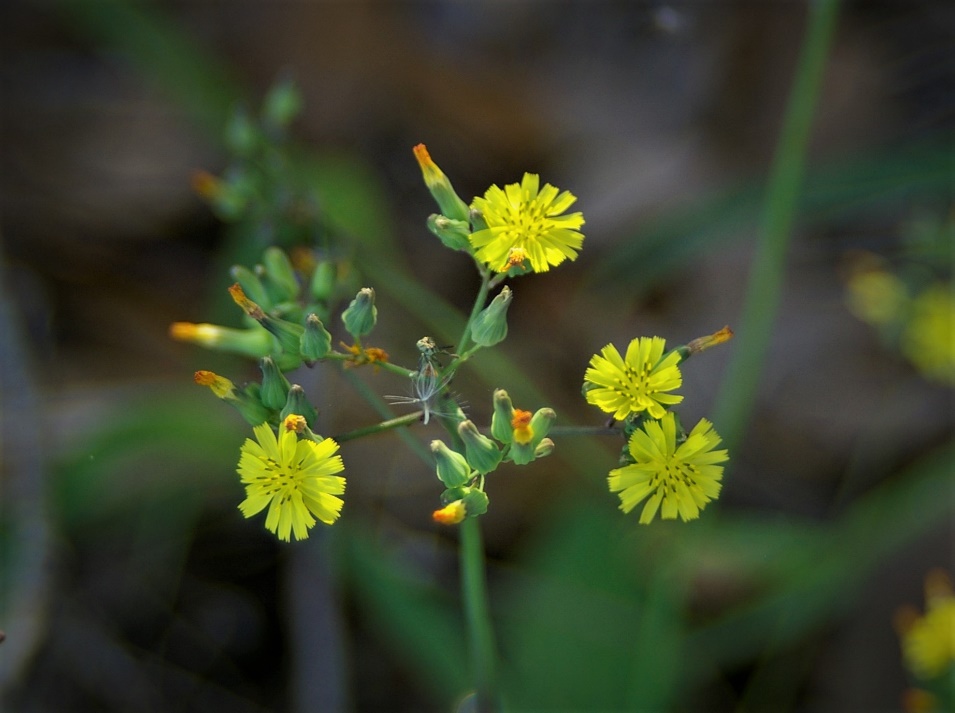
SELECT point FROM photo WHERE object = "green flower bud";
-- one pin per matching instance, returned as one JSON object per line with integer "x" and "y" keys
{"x": 544, "y": 448}
{"x": 482, "y": 454}
{"x": 253, "y": 342}
{"x": 289, "y": 335}
{"x": 241, "y": 136}
{"x": 452, "y": 233}
{"x": 439, "y": 186}
{"x": 476, "y": 218}
{"x": 361, "y": 315}
{"x": 298, "y": 404}
{"x": 475, "y": 502}
{"x": 323, "y": 281}
{"x": 251, "y": 284}
{"x": 452, "y": 467}
{"x": 490, "y": 326}
{"x": 249, "y": 403}
{"x": 542, "y": 421}
{"x": 280, "y": 274}
{"x": 275, "y": 386}
{"x": 501, "y": 427}
{"x": 316, "y": 341}
{"x": 282, "y": 104}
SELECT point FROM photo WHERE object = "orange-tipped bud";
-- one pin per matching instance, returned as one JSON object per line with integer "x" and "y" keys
{"x": 247, "y": 305}
{"x": 440, "y": 187}
{"x": 521, "y": 423}
{"x": 702, "y": 343}
{"x": 450, "y": 514}
{"x": 220, "y": 386}
{"x": 206, "y": 185}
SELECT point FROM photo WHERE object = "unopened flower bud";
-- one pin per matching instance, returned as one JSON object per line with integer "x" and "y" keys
{"x": 439, "y": 186}
{"x": 450, "y": 514}
{"x": 481, "y": 453}
{"x": 219, "y": 385}
{"x": 490, "y": 326}
{"x": 361, "y": 314}
{"x": 703, "y": 343}
{"x": 323, "y": 281}
{"x": 452, "y": 467}
{"x": 452, "y": 233}
{"x": 288, "y": 335}
{"x": 544, "y": 448}
{"x": 282, "y": 104}
{"x": 246, "y": 404}
{"x": 247, "y": 342}
{"x": 280, "y": 274}
{"x": 296, "y": 403}
{"x": 274, "y": 384}
{"x": 251, "y": 285}
{"x": 501, "y": 427}
{"x": 316, "y": 341}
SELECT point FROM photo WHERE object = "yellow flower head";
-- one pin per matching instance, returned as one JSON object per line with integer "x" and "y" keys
{"x": 928, "y": 641}
{"x": 929, "y": 338}
{"x": 678, "y": 479}
{"x": 636, "y": 383}
{"x": 525, "y": 221}
{"x": 294, "y": 478}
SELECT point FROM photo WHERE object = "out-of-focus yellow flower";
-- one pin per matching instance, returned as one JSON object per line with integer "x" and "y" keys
{"x": 928, "y": 640}
{"x": 929, "y": 337}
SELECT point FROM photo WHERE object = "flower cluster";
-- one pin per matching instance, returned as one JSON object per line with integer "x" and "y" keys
{"x": 287, "y": 300}
{"x": 676, "y": 474}
{"x": 916, "y": 315}
{"x": 928, "y": 646}
{"x": 517, "y": 436}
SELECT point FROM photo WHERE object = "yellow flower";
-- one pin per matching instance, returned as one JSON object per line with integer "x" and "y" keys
{"x": 622, "y": 386}
{"x": 678, "y": 479}
{"x": 929, "y": 338}
{"x": 928, "y": 641}
{"x": 525, "y": 222}
{"x": 876, "y": 296}
{"x": 294, "y": 478}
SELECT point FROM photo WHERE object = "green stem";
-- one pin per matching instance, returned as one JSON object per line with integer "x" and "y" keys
{"x": 738, "y": 393}
{"x": 387, "y": 366}
{"x": 480, "y": 631}
{"x": 478, "y": 306}
{"x": 398, "y": 422}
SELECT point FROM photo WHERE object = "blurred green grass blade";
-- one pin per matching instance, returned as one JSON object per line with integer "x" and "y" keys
{"x": 738, "y": 391}
{"x": 161, "y": 452}
{"x": 870, "y": 184}
{"x": 195, "y": 79}
{"x": 816, "y": 575}
{"x": 588, "y": 622}
{"x": 418, "y": 620}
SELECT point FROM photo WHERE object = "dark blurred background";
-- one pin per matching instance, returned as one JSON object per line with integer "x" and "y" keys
{"x": 130, "y": 580}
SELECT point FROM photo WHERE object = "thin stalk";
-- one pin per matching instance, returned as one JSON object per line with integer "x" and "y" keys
{"x": 738, "y": 393}
{"x": 478, "y": 305}
{"x": 477, "y": 615}
{"x": 391, "y": 423}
